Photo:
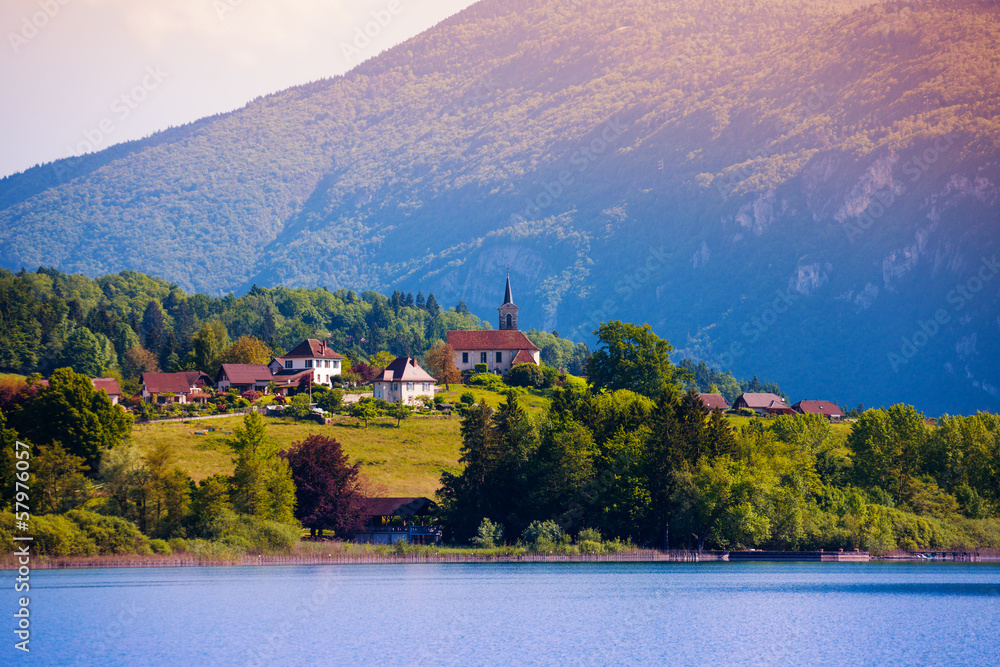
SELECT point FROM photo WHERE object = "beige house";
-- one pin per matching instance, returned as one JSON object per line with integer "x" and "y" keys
{"x": 404, "y": 381}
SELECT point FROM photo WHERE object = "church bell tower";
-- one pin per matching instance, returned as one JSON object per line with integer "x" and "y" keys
{"x": 508, "y": 311}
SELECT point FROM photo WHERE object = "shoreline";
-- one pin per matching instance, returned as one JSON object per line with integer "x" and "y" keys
{"x": 8, "y": 562}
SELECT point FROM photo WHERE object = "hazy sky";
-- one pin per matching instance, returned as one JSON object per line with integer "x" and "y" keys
{"x": 77, "y": 74}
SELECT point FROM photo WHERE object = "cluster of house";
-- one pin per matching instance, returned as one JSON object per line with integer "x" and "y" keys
{"x": 313, "y": 363}
{"x": 766, "y": 405}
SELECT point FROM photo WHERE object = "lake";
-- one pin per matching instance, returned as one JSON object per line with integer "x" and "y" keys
{"x": 518, "y": 614}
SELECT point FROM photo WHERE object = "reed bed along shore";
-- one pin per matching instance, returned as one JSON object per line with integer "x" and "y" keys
{"x": 362, "y": 558}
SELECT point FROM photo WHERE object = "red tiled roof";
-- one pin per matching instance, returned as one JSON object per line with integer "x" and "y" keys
{"x": 490, "y": 340}
{"x": 714, "y": 401}
{"x": 172, "y": 383}
{"x": 108, "y": 385}
{"x": 403, "y": 507}
{"x": 523, "y": 357}
{"x": 244, "y": 373}
{"x": 827, "y": 408}
{"x": 404, "y": 369}
{"x": 311, "y": 348}
{"x": 762, "y": 401}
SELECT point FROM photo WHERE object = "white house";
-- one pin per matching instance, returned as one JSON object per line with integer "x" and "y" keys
{"x": 500, "y": 350}
{"x": 310, "y": 354}
{"x": 404, "y": 381}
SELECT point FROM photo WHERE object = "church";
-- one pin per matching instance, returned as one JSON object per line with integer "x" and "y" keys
{"x": 500, "y": 350}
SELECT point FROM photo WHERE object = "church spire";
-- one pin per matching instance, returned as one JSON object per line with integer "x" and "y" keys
{"x": 508, "y": 311}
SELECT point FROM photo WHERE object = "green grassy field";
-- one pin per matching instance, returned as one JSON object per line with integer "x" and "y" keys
{"x": 405, "y": 461}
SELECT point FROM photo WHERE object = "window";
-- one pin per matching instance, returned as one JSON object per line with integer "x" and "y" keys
{"x": 309, "y": 363}
{"x": 510, "y": 321}
{"x": 427, "y": 387}
{"x": 499, "y": 357}
{"x": 288, "y": 364}
{"x": 409, "y": 386}
{"x": 327, "y": 363}
{"x": 395, "y": 386}
{"x": 465, "y": 357}
{"x": 482, "y": 357}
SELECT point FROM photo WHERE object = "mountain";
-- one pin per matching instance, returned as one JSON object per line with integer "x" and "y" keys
{"x": 801, "y": 189}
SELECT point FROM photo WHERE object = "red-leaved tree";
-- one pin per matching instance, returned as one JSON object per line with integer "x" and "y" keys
{"x": 328, "y": 490}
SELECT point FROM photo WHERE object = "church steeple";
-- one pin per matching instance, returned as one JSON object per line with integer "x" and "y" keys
{"x": 508, "y": 311}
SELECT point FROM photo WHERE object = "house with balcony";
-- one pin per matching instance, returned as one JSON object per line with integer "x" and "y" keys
{"x": 310, "y": 355}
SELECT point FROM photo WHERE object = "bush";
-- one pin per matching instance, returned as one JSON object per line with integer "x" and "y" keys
{"x": 178, "y": 545}
{"x": 489, "y": 381}
{"x": 542, "y": 536}
{"x": 160, "y": 547}
{"x": 55, "y": 535}
{"x": 251, "y": 395}
{"x": 525, "y": 375}
{"x": 747, "y": 412}
{"x": 468, "y": 398}
{"x": 331, "y": 401}
{"x": 489, "y": 535}
{"x": 111, "y": 534}
{"x": 252, "y": 535}
{"x": 482, "y": 368}
{"x": 589, "y": 535}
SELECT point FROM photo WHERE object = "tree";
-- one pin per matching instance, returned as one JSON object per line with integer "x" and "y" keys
{"x": 247, "y": 350}
{"x": 299, "y": 407}
{"x": 432, "y": 306}
{"x": 400, "y": 411}
{"x": 461, "y": 308}
{"x": 139, "y": 360}
{"x": 262, "y": 483}
{"x": 72, "y": 412}
{"x": 631, "y": 357}
{"x": 381, "y": 360}
{"x": 331, "y": 401}
{"x": 85, "y": 354}
{"x": 208, "y": 501}
{"x": 154, "y": 327}
{"x": 886, "y": 448}
{"x": 58, "y": 480}
{"x": 440, "y": 362}
{"x": 365, "y": 410}
{"x": 327, "y": 486}
{"x": 207, "y": 346}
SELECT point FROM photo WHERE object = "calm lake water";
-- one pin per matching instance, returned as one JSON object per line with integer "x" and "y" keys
{"x": 514, "y": 614}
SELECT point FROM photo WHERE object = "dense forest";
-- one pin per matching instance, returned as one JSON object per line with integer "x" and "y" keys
{"x": 675, "y": 163}
{"x": 124, "y": 324}
{"x": 661, "y": 472}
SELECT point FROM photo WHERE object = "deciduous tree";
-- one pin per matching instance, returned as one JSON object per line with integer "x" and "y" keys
{"x": 327, "y": 486}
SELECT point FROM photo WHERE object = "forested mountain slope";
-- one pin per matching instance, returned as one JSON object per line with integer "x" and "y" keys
{"x": 800, "y": 188}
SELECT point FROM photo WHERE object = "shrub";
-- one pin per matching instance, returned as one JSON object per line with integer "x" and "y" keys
{"x": 489, "y": 535}
{"x": 482, "y": 368}
{"x": 747, "y": 412}
{"x": 111, "y": 534}
{"x": 489, "y": 381}
{"x": 55, "y": 535}
{"x": 331, "y": 401}
{"x": 250, "y": 534}
{"x": 160, "y": 547}
{"x": 251, "y": 395}
{"x": 525, "y": 375}
{"x": 543, "y": 536}
{"x": 589, "y": 535}
{"x": 468, "y": 398}
{"x": 178, "y": 545}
